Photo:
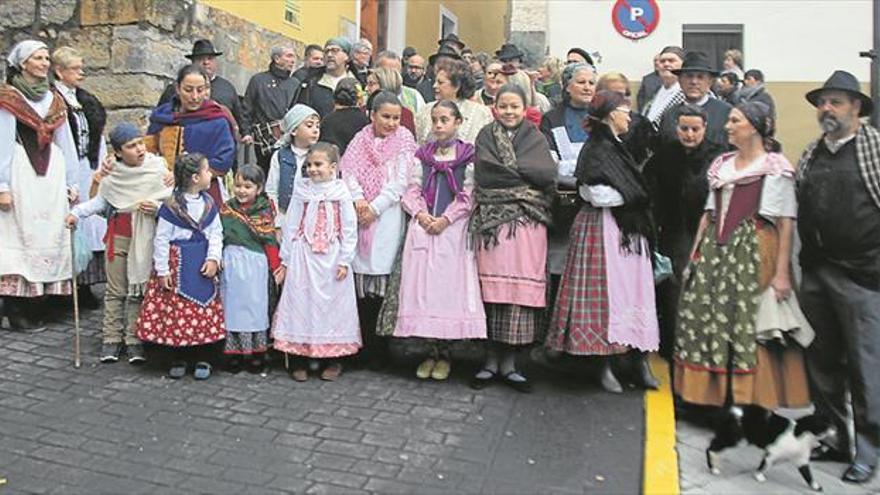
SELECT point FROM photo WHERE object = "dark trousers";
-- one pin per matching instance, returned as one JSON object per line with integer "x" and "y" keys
{"x": 263, "y": 159}
{"x": 845, "y": 355}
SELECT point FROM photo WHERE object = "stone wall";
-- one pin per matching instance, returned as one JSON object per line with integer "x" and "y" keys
{"x": 527, "y": 29}
{"x": 133, "y": 48}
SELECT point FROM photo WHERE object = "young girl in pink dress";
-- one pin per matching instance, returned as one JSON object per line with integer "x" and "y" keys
{"x": 439, "y": 289}
{"x": 317, "y": 315}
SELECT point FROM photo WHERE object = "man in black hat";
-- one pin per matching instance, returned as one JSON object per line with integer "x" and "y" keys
{"x": 222, "y": 91}
{"x": 510, "y": 54}
{"x": 838, "y": 221}
{"x": 695, "y": 78}
{"x": 269, "y": 95}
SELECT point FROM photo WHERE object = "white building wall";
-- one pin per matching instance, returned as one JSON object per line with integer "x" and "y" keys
{"x": 789, "y": 40}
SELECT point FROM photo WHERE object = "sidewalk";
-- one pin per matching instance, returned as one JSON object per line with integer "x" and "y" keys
{"x": 122, "y": 429}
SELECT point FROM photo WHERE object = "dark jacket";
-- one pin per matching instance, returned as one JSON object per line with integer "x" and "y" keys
{"x": 270, "y": 95}
{"x": 717, "y": 112}
{"x": 318, "y": 95}
{"x": 649, "y": 86}
{"x": 426, "y": 88}
{"x": 758, "y": 93}
{"x": 676, "y": 178}
{"x": 96, "y": 117}
{"x": 340, "y": 126}
{"x": 224, "y": 93}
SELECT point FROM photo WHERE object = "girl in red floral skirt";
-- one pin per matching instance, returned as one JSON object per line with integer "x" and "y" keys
{"x": 182, "y": 307}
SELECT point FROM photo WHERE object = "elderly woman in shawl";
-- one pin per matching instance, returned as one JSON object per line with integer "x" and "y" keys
{"x": 515, "y": 179}
{"x": 38, "y": 179}
{"x": 455, "y": 81}
{"x": 201, "y": 124}
{"x": 742, "y": 256}
{"x": 605, "y": 304}
{"x": 375, "y": 168}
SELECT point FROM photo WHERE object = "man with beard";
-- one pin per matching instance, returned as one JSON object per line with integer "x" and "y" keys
{"x": 414, "y": 77}
{"x": 839, "y": 225}
{"x": 695, "y": 77}
{"x": 677, "y": 180}
{"x": 318, "y": 91}
{"x": 268, "y": 96}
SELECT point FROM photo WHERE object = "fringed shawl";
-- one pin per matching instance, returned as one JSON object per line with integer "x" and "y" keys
{"x": 251, "y": 226}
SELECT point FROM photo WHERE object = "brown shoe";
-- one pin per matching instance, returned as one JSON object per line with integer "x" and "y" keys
{"x": 331, "y": 372}
{"x": 300, "y": 374}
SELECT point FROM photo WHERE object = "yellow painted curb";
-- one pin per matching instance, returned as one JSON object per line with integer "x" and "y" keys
{"x": 660, "y": 457}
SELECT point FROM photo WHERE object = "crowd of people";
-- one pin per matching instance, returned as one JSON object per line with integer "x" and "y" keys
{"x": 469, "y": 198}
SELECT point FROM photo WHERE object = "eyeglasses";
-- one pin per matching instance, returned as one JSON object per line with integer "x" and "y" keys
{"x": 332, "y": 49}
{"x": 492, "y": 73}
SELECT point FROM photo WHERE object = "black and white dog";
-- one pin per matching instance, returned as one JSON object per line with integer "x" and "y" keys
{"x": 781, "y": 438}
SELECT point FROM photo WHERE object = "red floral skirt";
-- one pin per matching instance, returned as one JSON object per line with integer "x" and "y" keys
{"x": 166, "y": 318}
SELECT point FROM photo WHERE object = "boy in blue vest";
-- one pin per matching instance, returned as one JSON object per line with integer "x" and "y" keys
{"x": 301, "y": 128}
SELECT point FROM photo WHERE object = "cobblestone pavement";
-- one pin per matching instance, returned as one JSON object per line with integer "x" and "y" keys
{"x": 122, "y": 429}
{"x": 739, "y": 464}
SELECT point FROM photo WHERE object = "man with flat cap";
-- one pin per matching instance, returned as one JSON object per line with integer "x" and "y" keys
{"x": 222, "y": 91}
{"x": 695, "y": 78}
{"x": 839, "y": 225}
{"x": 318, "y": 91}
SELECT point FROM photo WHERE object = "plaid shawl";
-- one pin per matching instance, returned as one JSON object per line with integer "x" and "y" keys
{"x": 37, "y": 148}
{"x": 867, "y": 153}
{"x": 515, "y": 181}
{"x": 250, "y": 226}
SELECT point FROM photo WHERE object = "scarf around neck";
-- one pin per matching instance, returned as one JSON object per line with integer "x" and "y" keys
{"x": 366, "y": 159}
{"x": 125, "y": 188}
{"x": 574, "y": 118}
{"x": 32, "y": 91}
{"x": 36, "y": 145}
{"x": 770, "y": 164}
{"x": 250, "y": 225}
{"x": 515, "y": 179}
{"x": 320, "y": 197}
{"x": 464, "y": 154}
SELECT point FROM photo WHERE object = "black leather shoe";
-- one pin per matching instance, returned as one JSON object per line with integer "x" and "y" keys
{"x": 858, "y": 473}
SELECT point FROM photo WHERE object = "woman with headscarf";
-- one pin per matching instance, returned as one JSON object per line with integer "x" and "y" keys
{"x": 515, "y": 179}
{"x": 194, "y": 123}
{"x": 39, "y": 168}
{"x": 347, "y": 118}
{"x": 87, "y": 117}
{"x": 454, "y": 81}
{"x": 605, "y": 304}
{"x": 564, "y": 130}
{"x": 740, "y": 259}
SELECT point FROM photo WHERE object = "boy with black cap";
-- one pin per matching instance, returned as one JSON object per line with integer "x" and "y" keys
{"x": 128, "y": 196}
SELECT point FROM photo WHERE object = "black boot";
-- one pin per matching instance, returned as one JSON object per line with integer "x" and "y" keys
{"x": 17, "y": 310}
{"x": 86, "y": 298}
{"x": 645, "y": 375}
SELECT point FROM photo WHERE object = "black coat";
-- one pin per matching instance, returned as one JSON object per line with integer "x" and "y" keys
{"x": 224, "y": 93}
{"x": 678, "y": 184}
{"x": 96, "y": 117}
{"x": 270, "y": 95}
{"x": 716, "y": 111}
{"x": 649, "y": 86}
{"x": 340, "y": 126}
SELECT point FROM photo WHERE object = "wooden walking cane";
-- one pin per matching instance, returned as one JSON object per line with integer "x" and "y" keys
{"x": 76, "y": 357}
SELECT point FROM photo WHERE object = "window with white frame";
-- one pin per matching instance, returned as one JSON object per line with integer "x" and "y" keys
{"x": 448, "y": 22}
{"x": 292, "y": 12}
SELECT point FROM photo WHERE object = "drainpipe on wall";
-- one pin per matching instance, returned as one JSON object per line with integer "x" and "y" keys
{"x": 357, "y": 20}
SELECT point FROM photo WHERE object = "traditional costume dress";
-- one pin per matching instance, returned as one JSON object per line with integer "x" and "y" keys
{"x": 129, "y": 240}
{"x": 605, "y": 303}
{"x": 515, "y": 180}
{"x": 718, "y": 356}
{"x": 439, "y": 290}
{"x": 191, "y": 313}
{"x": 210, "y": 130}
{"x": 250, "y": 254}
{"x": 87, "y": 118}
{"x": 317, "y": 315}
{"x": 38, "y": 167}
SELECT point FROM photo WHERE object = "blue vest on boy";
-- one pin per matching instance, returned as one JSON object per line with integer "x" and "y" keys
{"x": 288, "y": 168}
